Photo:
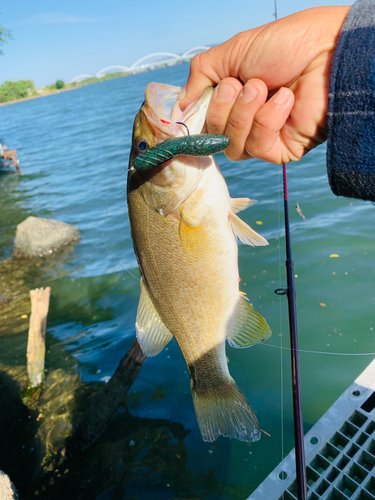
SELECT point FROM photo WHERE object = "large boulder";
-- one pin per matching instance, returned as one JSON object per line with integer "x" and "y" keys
{"x": 37, "y": 237}
{"x": 7, "y": 489}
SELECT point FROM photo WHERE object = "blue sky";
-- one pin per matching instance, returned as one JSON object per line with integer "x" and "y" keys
{"x": 60, "y": 40}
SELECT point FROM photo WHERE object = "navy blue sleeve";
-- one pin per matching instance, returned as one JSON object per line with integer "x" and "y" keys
{"x": 351, "y": 106}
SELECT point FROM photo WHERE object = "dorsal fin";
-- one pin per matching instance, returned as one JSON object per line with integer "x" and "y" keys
{"x": 152, "y": 334}
{"x": 248, "y": 326}
{"x": 244, "y": 232}
{"x": 239, "y": 204}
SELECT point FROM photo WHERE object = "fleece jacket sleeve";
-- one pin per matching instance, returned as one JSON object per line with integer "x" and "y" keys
{"x": 351, "y": 106}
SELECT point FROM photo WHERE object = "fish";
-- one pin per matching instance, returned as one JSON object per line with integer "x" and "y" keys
{"x": 185, "y": 228}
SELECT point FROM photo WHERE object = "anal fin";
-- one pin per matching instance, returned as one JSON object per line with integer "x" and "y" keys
{"x": 152, "y": 334}
{"x": 244, "y": 232}
{"x": 248, "y": 327}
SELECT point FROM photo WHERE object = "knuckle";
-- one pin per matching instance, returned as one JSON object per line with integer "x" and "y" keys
{"x": 256, "y": 150}
{"x": 215, "y": 124}
{"x": 195, "y": 63}
{"x": 236, "y": 122}
{"x": 198, "y": 63}
{"x": 232, "y": 154}
{"x": 253, "y": 145}
{"x": 262, "y": 123}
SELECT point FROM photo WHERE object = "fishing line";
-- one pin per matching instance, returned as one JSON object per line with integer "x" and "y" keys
{"x": 321, "y": 352}
{"x": 105, "y": 222}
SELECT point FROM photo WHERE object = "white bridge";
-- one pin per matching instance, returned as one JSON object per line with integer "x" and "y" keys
{"x": 144, "y": 63}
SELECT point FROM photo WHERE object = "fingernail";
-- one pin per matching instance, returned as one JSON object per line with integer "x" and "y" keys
{"x": 249, "y": 93}
{"x": 225, "y": 92}
{"x": 281, "y": 96}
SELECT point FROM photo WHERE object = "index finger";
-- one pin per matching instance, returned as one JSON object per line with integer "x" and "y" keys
{"x": 202, "y": 74}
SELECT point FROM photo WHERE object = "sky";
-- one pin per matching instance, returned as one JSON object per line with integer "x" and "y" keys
{"x": 61, "y": 40}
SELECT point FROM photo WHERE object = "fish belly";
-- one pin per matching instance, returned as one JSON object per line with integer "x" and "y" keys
{"x": 189, "y": 261}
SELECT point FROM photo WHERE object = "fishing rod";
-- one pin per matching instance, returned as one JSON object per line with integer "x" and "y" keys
{"x": 290, "y": 292}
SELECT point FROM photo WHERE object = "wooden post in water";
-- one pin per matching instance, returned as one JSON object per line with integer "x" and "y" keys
{"x": 36, "y": 347}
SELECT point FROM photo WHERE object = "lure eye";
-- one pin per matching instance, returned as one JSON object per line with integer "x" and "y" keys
{"x": 142, "y": 145}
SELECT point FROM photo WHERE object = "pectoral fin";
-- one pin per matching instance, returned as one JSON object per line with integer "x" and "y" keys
{"x": 244, "y": 232}
{"x": 239, "y": 204}
{"x": 152, "y": 334}
{"x": 248, "y": 327}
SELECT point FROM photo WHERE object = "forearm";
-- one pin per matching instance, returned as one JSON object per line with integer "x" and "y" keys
{"x": 351, "y": 106}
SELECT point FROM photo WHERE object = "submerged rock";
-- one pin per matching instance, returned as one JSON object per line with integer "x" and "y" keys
{"x": 36, "y": 237}
{"x": 7, "y": 489}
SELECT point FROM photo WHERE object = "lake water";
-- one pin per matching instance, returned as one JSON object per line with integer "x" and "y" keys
{"x": 73, "y": 149}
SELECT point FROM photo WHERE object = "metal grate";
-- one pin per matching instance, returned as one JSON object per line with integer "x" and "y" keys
{"x": 340, "y": 451}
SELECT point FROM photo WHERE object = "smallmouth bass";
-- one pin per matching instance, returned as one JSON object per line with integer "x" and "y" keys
{"x": 185, "y": 228}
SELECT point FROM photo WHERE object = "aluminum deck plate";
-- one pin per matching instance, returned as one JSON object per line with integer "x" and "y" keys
{"x": 340, "y": 451}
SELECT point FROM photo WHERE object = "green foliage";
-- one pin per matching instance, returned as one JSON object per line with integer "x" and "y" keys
{"x": 11, "y": 91}
{"x": 110, "y": 76}
{"x": 50, "y": 88}
{"x": 59, "y": 84}
{"x": 5, "y": 35}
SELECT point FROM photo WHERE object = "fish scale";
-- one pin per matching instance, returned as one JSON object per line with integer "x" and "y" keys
{"x": 181, "y": 268}
{"x": 185, "y": 228}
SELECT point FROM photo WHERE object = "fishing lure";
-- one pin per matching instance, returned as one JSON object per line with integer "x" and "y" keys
{"x": 191, "y": 145}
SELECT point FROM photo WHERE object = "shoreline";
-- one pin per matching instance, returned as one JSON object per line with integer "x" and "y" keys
{"x": 77, "y": 87}
{"x": 29, "y": 98}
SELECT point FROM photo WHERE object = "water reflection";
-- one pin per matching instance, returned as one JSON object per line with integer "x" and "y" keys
{"x": 134, "y": 458}
{"x": 18, "y": 457}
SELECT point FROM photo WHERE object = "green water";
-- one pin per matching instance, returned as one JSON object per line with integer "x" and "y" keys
{"x": 73, "y": 149}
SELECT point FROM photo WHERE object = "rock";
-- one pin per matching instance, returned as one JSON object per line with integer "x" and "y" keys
{"x": 37, "y": 237}
{"x": 7, "y": 489}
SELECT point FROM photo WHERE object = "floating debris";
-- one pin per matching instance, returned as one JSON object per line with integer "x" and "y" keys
{"x": 334, "y": 255}
{"x": 298, "y": 208}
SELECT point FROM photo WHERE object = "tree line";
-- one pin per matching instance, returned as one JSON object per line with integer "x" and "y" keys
{"x": 11, "y": 91}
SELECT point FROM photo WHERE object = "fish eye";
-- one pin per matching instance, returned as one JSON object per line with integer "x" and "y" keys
{"x": 142, "y": 145}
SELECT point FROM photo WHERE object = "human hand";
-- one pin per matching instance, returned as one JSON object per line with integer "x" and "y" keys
{"x": 290, "y": 61}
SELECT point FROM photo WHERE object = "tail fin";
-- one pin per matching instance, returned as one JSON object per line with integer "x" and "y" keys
{"x": 225, "y": 411}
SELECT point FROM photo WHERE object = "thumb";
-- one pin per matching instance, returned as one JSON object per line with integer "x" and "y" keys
{"x": 200, "y": 77}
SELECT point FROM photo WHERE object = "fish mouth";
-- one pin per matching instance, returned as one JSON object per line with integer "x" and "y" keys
{"x": 168, "y": 120}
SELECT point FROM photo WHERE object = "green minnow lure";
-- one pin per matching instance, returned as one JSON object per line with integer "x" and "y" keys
{"x": 191, "y": 145}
